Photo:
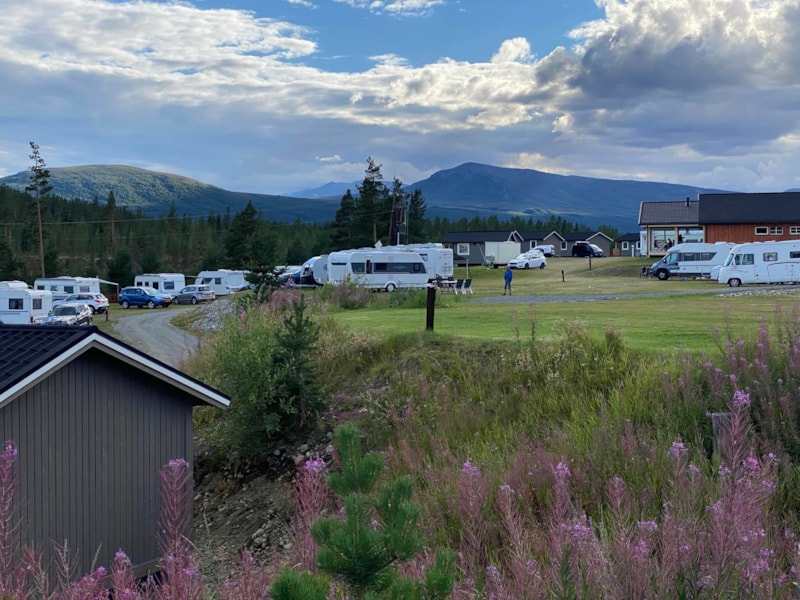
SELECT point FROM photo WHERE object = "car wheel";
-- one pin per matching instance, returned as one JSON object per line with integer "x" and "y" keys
{"x": 194, "y": 299}
{"x": 527, "y": 266}
{"x": 662, "y": 274}
{"x": 390, "y": 287}
{"x": 125, "y": 304}
{"x": 734, "y": 282}
{"x": 542, "y": 266}
{"x": 151, "y": 304}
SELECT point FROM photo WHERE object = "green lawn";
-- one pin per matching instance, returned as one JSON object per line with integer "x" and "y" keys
{"x": 664, "y": 324}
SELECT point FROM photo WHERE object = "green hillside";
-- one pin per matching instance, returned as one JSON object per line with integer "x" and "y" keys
{"x": 154, "y": 192}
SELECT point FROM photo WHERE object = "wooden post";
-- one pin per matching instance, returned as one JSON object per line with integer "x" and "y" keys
{"x": 430, "y": 308}
{"x": 562, "y": 275}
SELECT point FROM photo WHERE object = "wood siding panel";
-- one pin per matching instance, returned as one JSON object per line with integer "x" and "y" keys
{"x": 742, "y": 233}
{"x": 92, "y": 439}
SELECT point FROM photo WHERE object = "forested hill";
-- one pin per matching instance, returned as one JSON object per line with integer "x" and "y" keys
{"x": 154, "y": 192}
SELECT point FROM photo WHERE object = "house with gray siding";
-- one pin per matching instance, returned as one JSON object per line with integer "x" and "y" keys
{"x": 94, "y": 421}
{"x": 469, "y": 247}
{"x": 598, "y": 238}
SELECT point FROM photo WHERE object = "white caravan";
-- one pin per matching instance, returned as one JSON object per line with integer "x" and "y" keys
{"x": 20, "y": 305}
{"x": 378, "y": 269}
{"x": 63, "y": 286}
{"x": 320, "y": 270}
{"x": 223, "y": 281}
{"x": 691, "y": 259}
{"x": 762, "y": 262}
{"x": 171, "y": 283}
{"x": 500, "y": 253}
{"x": 438, "y": 259}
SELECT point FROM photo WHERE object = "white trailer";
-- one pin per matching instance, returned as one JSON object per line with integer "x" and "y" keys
{"x": 171, "y": 283}
{"x": 63, "y": 286}
{"x": 438, "y": 259}
{"x": 761, "y": 262}
{"x": 496, "y": 254}
{"x": 378, "y": 269}
{"x": 21, "y": 305}
{"x": 691, "y": 259}
{"x": 223, "y": 281}
{"x": 320, "y": 270}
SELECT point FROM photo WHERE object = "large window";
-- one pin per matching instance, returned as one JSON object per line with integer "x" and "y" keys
{"x": 15, "y": 304}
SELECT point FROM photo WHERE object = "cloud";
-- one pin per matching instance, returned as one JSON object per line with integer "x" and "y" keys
{"x": 708, "y": 85}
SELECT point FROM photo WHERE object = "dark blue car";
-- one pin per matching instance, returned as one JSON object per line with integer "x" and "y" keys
{"x": 140, "y": 296}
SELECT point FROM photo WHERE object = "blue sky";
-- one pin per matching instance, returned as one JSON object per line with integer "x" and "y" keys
{"x": 275, "y": 96}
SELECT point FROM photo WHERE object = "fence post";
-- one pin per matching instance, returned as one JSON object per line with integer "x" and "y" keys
{"x": 429, "y": 313}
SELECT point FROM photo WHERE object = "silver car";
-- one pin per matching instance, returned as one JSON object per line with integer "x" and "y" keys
{"x": 192, "y": 294}
{"x": 69, "y": 313}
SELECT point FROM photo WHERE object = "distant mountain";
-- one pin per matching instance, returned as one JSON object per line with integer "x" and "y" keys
{"x": 465, "y": 191}
{"x": 153, "y": 192}
{"x": 474, "y": 188}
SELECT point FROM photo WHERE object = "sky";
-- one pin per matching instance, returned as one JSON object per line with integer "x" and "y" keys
{"x": 275, "y": 96}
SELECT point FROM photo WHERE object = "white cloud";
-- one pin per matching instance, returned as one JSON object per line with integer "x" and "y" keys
{"x": 653, "y": 81}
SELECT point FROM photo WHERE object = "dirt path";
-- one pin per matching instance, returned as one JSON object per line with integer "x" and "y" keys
{"x": 151, "y": 332}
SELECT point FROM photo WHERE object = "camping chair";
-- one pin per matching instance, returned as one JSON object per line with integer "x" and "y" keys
{"x": 459, "y": 287}
{"x": 467, "y": 289}
{"x": 439, "y": 283}
{"x": 645, "y": 272}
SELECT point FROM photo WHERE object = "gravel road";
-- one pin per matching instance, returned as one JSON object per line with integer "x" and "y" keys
{"x": 151, "y": 332}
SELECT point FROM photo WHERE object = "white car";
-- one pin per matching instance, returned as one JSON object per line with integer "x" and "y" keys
{"x": 529, "y": 260}
{"x": 97, "y": 302}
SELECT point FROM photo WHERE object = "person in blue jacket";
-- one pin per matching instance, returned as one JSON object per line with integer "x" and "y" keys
{"x": 508, "y": 275}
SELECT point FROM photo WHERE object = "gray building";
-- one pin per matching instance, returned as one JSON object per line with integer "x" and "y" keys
{"x": 94, "y": 421}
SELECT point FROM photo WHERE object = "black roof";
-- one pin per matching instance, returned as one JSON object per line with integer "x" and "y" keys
{"x": 579, "y": 236}
{"x": 29, "y": 349}
{"x": 766, "y": 207}
{"x": 628, "y": 237}
{"x": 669, "y": 213}
{"x": 537, "y": 235}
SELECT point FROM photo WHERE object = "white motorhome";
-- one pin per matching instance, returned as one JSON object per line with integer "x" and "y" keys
{"x": 171, "y": 283}
{"x": 320, "y": 270}
{"x": 63, "y": 286}
{"x": 378, "y": 269}
{"x": 223, "y": 281}
{"x": 761, "y": 262}
{"x": 438, "y": 259}
{"x": 21, "y": 305}
{"x": 691, "y": 259}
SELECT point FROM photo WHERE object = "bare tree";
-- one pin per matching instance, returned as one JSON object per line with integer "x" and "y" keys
{"x": 39, "y": 187}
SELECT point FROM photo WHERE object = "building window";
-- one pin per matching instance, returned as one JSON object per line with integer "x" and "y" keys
{"x": 625, "y": 246}
{"x": 794, "y": 230}
{"x": 776, "y": 230}
{"x": 563, "y": 245}
{"x": 770, "y": 256}
{"x": 762, "y": 231}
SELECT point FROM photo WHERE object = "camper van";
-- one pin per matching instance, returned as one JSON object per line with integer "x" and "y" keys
{"x": 20, "y": 305}
{"x": 170, "y": 283}
{"x": 63, "y": 286}
{"x": 691, "y": 259}
{"x": 762, "y": 262}
{"x": 378, "y": 269}
{"x": 223, "y": 281}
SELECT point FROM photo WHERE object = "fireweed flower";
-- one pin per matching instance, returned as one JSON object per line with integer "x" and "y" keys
{"x": 507, "y": 489}
{"x": 562, "y": 471}
{"x": 678, "y": 449}
{"x": 470, "y": 470}
{"x": 741, "y": 399}
{"x": 314, "y": 466}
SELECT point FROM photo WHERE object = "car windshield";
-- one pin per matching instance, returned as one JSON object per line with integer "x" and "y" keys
{"x": 64, "y": 311}
{"x": 150, "y": 291}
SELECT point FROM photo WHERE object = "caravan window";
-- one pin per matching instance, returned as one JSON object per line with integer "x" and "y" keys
{"x": 770, "y": 256}
{"x": 168, "y": 285}
{"x": 15, "y": 303}
{"x": 794, "y": 254}
{"x": 37, "y": 304}
{"x": 69, "y": 289}
{"x": 358, "y": 267}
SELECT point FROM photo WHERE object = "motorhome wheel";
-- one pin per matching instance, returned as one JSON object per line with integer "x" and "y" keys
{"x": 390, "y": 287}
{"x": 734, "y": 282}
{"x": 662, "y": 274}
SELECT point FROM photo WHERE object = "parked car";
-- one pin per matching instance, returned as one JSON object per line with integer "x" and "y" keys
{"x": 547, "y": 249}
{"x": 69, "y": 313}
{"x": 529, "y": 260}
{"x": 97, "y": 302}
{"x": 192, "y": 294}
{"x": 140, "y": 296}
{"x": 168, "y": 297}
{"x": 586, "y": 249}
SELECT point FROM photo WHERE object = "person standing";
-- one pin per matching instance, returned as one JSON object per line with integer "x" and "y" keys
{"x": 508, "y": 276}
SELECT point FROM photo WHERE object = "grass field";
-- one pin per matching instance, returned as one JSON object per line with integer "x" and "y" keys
{"x": 665, "y": 324}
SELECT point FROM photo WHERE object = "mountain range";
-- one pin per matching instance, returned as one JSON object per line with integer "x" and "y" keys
{"x": 468, "y": 190}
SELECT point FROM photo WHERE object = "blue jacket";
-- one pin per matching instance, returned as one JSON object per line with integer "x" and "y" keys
{"x": 508, "y": 275}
